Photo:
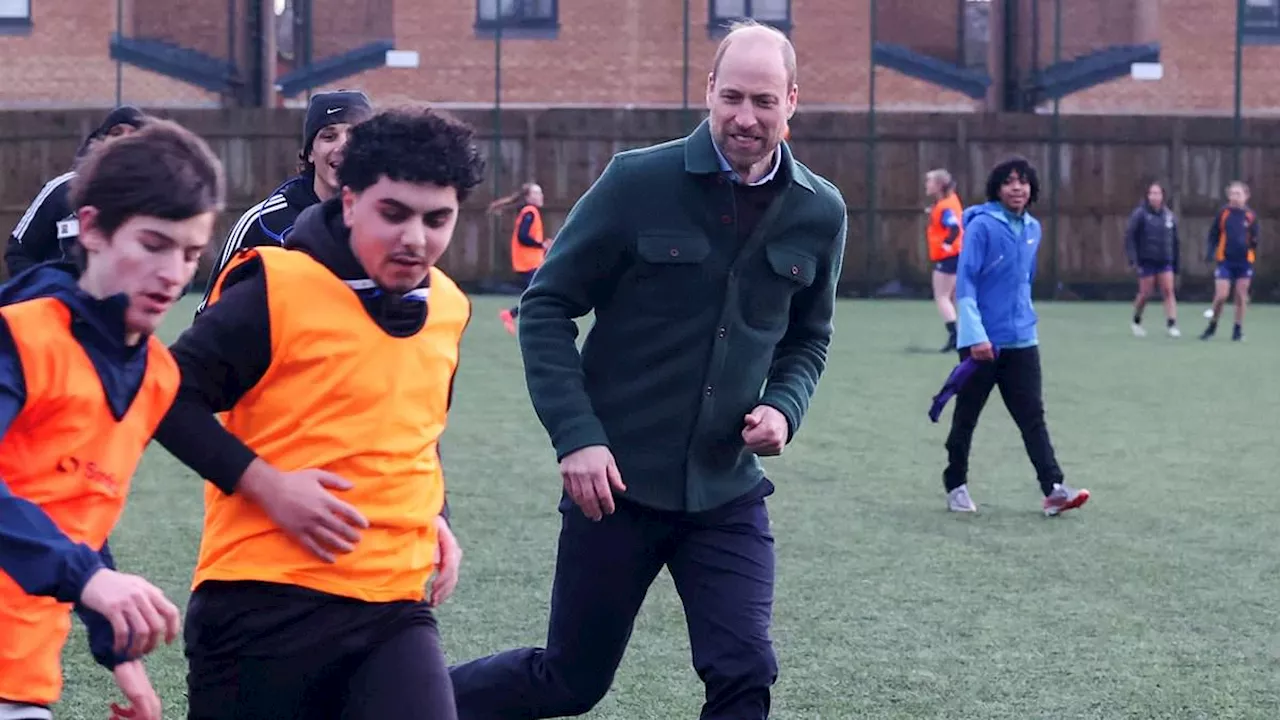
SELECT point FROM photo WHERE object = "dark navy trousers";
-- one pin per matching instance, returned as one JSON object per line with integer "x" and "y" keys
{"x": 722, "y": 562}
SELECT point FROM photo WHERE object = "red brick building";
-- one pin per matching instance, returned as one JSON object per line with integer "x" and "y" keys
{"x": 936, "y": 55}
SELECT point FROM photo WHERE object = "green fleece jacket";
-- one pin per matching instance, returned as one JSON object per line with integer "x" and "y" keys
{"x": 693, "y": 328}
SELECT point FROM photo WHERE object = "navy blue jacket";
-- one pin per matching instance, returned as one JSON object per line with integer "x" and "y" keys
{"x": 1151, "y": 237}
{"x": 39, "y": 557}
{"x": 266, "y": 223}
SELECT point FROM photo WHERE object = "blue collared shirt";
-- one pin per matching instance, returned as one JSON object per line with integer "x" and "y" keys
{"x": 734, "y": 176}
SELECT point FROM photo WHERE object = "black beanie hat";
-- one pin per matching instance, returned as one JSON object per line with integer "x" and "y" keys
{"x": 332, "y": 108}
{"x": 123, "y": 115}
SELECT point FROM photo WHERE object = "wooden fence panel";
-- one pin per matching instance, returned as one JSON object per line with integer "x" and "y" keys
{"x": 1105, "y": 163}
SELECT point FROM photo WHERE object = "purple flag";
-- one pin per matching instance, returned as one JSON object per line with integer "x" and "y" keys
{"x": 960, "y": 375}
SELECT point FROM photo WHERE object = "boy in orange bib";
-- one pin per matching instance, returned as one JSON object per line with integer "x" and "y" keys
{"x": 330, "y": 362}
{"x": 83, "y": 385}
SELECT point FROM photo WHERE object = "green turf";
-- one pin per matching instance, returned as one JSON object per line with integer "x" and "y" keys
{"x": 1154, "y": 601}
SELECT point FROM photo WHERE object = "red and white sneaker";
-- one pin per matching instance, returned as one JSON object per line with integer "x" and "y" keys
{"x": 1064, "y": 498}
{"x": 508, "y": 320}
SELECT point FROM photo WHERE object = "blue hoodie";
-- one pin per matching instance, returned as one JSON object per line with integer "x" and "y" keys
{"x": 33, "y": 550}
{"x": 993, "y": 279}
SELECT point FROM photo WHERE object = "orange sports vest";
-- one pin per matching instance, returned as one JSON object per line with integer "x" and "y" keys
{"x": 937, "y": 232}
{"x": 341, "y": 395}
{"x": 68, "y": 454}
{"x": 524, "y": 258}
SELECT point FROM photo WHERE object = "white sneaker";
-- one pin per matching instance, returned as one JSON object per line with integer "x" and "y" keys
{"x": 958, "y": 500}
{"x": 1174, "y": 332}
{"x": 1138, "y": 330}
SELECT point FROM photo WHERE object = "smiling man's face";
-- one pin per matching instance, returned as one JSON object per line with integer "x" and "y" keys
{"x": 751, "y": 97}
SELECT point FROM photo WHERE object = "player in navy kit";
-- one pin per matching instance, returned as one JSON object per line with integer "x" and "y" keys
{"x": 1233, "y": 245}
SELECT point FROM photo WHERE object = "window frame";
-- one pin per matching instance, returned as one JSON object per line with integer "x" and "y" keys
{"x": 519, "y": 26}
{"x": 1266, "y": 32}
{"x": 17, "y": 25}
{"x": 717, "y": 24}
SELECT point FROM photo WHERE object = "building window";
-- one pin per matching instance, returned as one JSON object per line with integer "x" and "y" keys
{"x": 15, "y": 16}
{"x": 518, "y": 18}
{"x": 1261, "y": 22}
{"x": 976, "y": 27}
{"x": 767, "y": 12}
{"x": 285, "y": 20}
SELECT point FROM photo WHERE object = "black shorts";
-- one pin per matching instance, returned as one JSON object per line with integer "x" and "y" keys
{"x": 947, "y": 265}
{"x": 259, "y": 650}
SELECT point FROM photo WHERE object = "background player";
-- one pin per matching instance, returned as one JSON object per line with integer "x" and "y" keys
{"x": 528, "y": 241}
{"x": 945, "y": 238}
{"x": 83, "y": 384}
{"x": 49, "y": 227}
{"x": 330, "y": 116}
{"x": 1233, "y": 245}
{"x": 1151, "y": 244}
{"x": 997, "y": 326}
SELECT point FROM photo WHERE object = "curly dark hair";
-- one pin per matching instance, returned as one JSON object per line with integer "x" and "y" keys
{"x": 1001, "y": 173}
{"x": 414, "y": 144}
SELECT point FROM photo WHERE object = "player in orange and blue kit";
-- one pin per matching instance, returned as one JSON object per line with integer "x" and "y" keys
{"x": 944, "y": 235}
{"x": 83, "y": 385}
{"x": 1233, "y": 245}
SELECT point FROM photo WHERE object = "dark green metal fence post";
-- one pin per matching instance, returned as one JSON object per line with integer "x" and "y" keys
{"x": 1055, "y": 157}
{"x": 119, "y": 64}
{"x": 233, "y": 59}
{"x": 495, "y": 155}
{"x": 871, "y": 203}
{"x": 1236, "y": 118}
{"x": 497, "y": 106}
{"x": 684, "y": 89}
{"x": 304, "y": 11}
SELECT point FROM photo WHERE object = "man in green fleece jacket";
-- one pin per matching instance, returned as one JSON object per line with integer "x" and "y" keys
{"x": 711, "y": 264}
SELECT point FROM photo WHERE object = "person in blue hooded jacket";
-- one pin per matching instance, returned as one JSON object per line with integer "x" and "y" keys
{"x": 996, "y": 325}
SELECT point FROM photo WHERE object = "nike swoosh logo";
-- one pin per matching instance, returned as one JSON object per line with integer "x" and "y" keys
{"x": 331, "y": 111}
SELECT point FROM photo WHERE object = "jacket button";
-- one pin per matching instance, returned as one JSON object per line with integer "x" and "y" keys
{"x": 709, "y": 391}
{"x": 795, "y": 270}
{"x": 675, "y": 252}
{"x": 722, "y": 333}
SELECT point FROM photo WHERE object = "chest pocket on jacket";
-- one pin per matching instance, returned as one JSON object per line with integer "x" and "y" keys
{"x": 671, "y": 276}
{"x": 766, "y": 304}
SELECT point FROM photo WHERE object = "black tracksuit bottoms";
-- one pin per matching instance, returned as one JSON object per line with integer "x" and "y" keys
{"x": 722, "y": 563}
{"x": 260, "y": 651}
{"x": 1016, "y": 372}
